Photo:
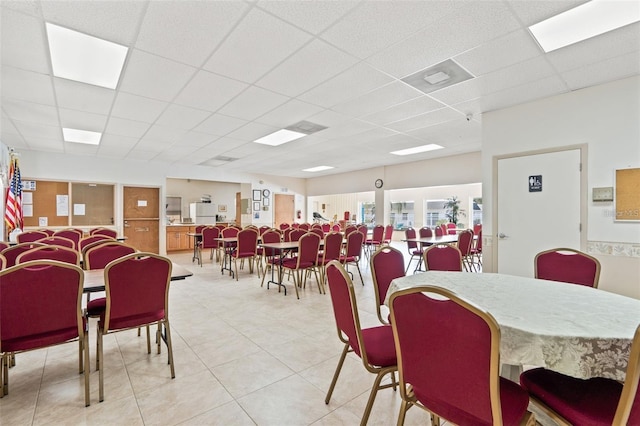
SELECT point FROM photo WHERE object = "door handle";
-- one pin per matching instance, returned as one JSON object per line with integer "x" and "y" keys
{"x": 145, "y": 229}
{"x": 502, "y": 236}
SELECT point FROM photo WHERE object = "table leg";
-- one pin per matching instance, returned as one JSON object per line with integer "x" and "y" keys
{"x": 227, "y": 255}
{"x": 279, "y": 282}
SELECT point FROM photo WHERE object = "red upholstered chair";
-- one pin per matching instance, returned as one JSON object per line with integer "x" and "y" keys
{"x": 31, "y": 236}
{"x": 3, "y": 262}
{"x": 477, "y": 228}
{"x": 304, "y": 260}
{"x": 445, "y": 229}
{"x": 388, "y": 234}
{"x": 374, "y": 345}
{"x": 438, "y": 231}
{"x": 209, "y": 240}
{"x": 315, "y": 225}
{"x": 270, "y": 256}
{"x": 335, "y": 228}
{"x": 596, "y": 401}
{"x": 58, "y": 241}
{"x": 295, "y": 225}
{"x": 567, "y": 265}
{"x": 284, "y": 226}
{"x": 365, "y": 231}
{"x": 296, "y": 234}
{"x": 425, "y": 232}
{"x": 286, "y": 235}
{"x": 11, "y": 253}
{"x": 220, "y": 227}
{"x": 443, "y": 257}
{"x": 387, "y": 264}
{"x": 412, "y": 248}
{"x": 318, "y": 231}
{"x": 3, "y": 245}
{"x": 304, "y": 226}
{"x": 97, "y": 257}
{"x": 465, "y": 244}
{"x": 476, "y": 249}
{"x": 331, "y": 251}
{"x": 49, "y": 232}
{"x": 104, "y": 231}
{"x": 247, "y": 248}
{"x": 40, "y": 307}
{"x": 349, "y": 229}
{"x": 137, "y": 287}
{"x": 263, "y": 229}
{"x": 326, "y": 228}
{"x": 50, "y": 252}
{"x": 84, "y": 242}
{"x": 461, "y": 384}
{"x": 451, "y": 228}
{"x": 377, "y": 237}
{"x": 353, "y": 253}
{"x": 71, "y": 234}
{"x": 228, "y": 232}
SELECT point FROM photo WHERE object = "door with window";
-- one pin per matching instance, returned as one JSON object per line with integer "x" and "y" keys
{"x": 141, "y": 213}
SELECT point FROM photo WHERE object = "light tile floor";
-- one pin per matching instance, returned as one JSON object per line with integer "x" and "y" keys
{"x": 244, "y": 355}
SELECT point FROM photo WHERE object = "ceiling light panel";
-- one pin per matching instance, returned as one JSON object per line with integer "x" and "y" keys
{"x": 317, "y": 169}
{"x": 280, "y": 137}
{"x": 417, "y": 149}
{"x": 585, "y": 21}
{"x": 81, "y": 136}
{"x": 81, "y": 57}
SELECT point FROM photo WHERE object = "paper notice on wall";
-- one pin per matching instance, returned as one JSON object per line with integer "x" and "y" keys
{"x": 78, "y": 209}
{"x": 27, "y": 197}
{"x": 43, "y": 221}
{"x": 142, "y": 203}
{"x": 62, "y": 205}
{"x": 27, "y": 210}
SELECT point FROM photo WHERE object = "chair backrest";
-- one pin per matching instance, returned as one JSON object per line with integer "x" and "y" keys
{"x": 465, "y": 241}
{"x": 304, "y": 226}
{"x": 209, "y": 235}
{"x": 332, "y": 247}
{"x": 443, "y": 257}
{"x": 3, "y": 262}
{"x": 71, "y": 234}
{"x": 388, "y": 233}
{"x": 220, "y": 226}
{"x": 58, "y": 241}
{"x": 425, "y": 232}
{"x": 316, "y": 225}
{"x": 410, "y": 233}
{"x": 349, "y": 229}
{"x": 296, "y": 234}
{"x": 3, "y": 245}
{"x": 97, "y": 257}
{"x": 438, "y": 231}
{"x": 478, "y": 241}
{"x": 137, "y": 287}
{"x": 248, "y": 242}
{"x": 567, "y": 265}
{"x": 50, "y": 252}
{"x": 444, "y": 228}
{"x": 318, "y": 231}
{"x": 295, "y": 225}
{"x": 377, "y": 234}
{"x": 287, "y": 233}
{"x": 40, "y": 304}
{"x": 628, "y": 410}
{"x": 335, "y": 228}
{"x": 363, "y": 228}
{"x": 31, "y": 236}
{"x": 308, "y": 247}
{"x": 354, "y": 244}
{"x": 263, "y": 229}
{"x": 104, "y": 231}
{"x": 451, "y": 228}
{"x": 461, "y": 382}
{"x": 92, "y": 239}
{"x": 198, "y": 229}
{"x": 271, "y": 236}
{"x": 477, "y": 228}
{"x": 326, "y": 228}
{"x": 387, "y": 264}
{"x": 49, "y": 232}
{"x": 230, "y": 232}
{"x": 11, "y": 253}
{"x": 284, "y": 226}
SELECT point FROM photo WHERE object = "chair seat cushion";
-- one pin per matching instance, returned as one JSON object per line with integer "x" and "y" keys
{"x": 96, "y": 307}
{"x": 132, "y": 321}
{"x": 380, "y": 347}
{"x": 39, "y": 340}
{"x": 348, "y": 259}
{"x": 585, "y": 402}
{"x": 241, "y": 255}
{"x": 416, "y": 253}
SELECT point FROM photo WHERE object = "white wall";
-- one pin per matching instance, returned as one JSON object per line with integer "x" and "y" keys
{"x": 192, "y": 190}
{"x": 604, "y": 117}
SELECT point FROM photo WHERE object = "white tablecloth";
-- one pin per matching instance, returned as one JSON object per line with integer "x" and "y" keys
{"x": 573, "y": 329}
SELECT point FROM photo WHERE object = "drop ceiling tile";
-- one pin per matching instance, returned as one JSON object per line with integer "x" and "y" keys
{"x": 525, "y": 93}
{"x": 209, "y": 91}
{"x": 137, "y": 108}
{"x": 196, "y": 139}
{"x": 375, "y": 25}
{"x": 413, "y": 107}
{"x": 220, "y": 125}
{"x": 47, "y": 145}
{"x": 80, "y": 148}
{"x": 251, "y": 132}
{"x": 354, "y": 82}
{"x": 111, "y": 141}
{"x": 152, "y": 145}
{"x": 154, "y": 77}
{"x": 73, "y": 119}
{"x": 28, "y": 111}
{"x": 302, "y": 71}
{"x": 261, "y": 37}
{"x": 35, "y": 130}
{"x": 289, "y": 113}
{"x": 182, "y": 117}
{"x": 474, "y": 25}
{"x": 312, "y": 16}
{"x": 141, "y": 155}
{"x": 22, "y": 42}
{"x": 7, "y": 127}
{"x": 124, "y": 127}
{"x": 116, "y": 21}
{"x": 329, "y": 118}
{"x": 533, "y": 11}
{"x": 601, "y": 72}
{"x": 253, "y": 103}
{"x": 31, "y": 7}
{"x": 27, "y": 86}
{"x": 510, "y": 49}
{"x": 429, "y": 119}
{"x": 83, "y": 97}
{"x": 13, "y": 140}
{"x": 163, "y": 134}
{"x": 346, "y": 129}
{"x": 187, "y": 32}
{"x": 379, "y": 99}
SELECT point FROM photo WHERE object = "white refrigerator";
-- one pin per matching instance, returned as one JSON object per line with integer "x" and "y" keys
{"x": 203, "y": 213}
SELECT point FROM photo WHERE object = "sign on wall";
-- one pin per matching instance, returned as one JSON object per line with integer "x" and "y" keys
{"x": 628, "y": 194}
{"x": 535, "y": 183}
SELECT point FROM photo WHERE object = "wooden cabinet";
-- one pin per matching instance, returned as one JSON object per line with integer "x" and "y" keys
{"x": 178, "y": 237}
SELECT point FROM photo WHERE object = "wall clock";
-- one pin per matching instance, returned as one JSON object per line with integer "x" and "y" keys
{"x": 379, "y": 183}
{"x": 266, "y": 193}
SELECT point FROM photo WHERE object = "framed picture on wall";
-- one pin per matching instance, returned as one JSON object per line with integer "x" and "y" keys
{"x": 265, "y": 201}
{"x": 257, "y": 195}
{"x": 256, "y": 206}
{"x": 222, "y": 207}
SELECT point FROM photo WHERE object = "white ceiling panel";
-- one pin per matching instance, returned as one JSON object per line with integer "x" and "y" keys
{"x": 26, "y": 85}
{"x": 379, "y": 99}
{"x": 289, "y": 113}
{"x": 164, "y": 83}
{"x": 525, "y": 93}
{"x": 137, "y": 108}
{"x": 252, "y": 131}
{"x": 620, "y": 66}
{"x": 31, "y": 7}
{"x": 6, "y": 126}
{"x": 124, "y": 127}
{"x": 424, "y": 120}
{"x": 13, "y": 140}
{"x": 220, "y": 125}
{"x": 354, "y": 82}
{"x": 329, "y": 118}
{"x": 533, "y": 11}
{"x": 141, "y": 155}
{"x": 413, "y": 107}
{"x": 83, "y": 97}
{"x": 113, "y": 142}
{"x": 252, "y": 103}
{"x": 80, "y": 148}
{"x": 31, "y": 131}
{"x": 82, "y": 120}
{"x": 312, "y": 16}
{"x": 152, "y": 145}
{"x": 47, "y": 145}
{"x": 196, "y": 139}
{"x": 261, "y": 37}
{"x": 164, "y": 134}
{"x": 182, "y": 117}
{"x": 308, "y": 67}
{"x": 209, "y": 91}
{"x": 23, "y": 42}
{"x": 28, "y": 111}
{"x": 187, "y": 31}
{"x": 346, "y": 129}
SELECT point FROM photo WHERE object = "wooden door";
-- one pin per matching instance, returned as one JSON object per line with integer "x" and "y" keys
{"x": 141, "y": 213}
{"x": 283, "y": 209}
{"x": 239, "y": 209}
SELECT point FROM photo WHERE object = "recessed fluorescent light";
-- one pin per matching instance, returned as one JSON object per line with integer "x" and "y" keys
{"x": 585, "y": 21}
{"x": 318, "y": 169}
{"x": 280, "y": 137}
{"x": 81, "y": 57}
{"x": 81, "y": 136}
{"x": 417, "y": 149}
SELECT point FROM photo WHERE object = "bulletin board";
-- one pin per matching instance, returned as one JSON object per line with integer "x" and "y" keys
{"x": 91, "y": 204}
{"x": 46, "y": 202}
{"x": 628, "y": 194}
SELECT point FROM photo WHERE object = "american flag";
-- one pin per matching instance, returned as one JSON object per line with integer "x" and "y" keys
{"x": 13, "y": 206}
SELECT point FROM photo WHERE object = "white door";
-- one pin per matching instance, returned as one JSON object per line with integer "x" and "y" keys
{"x": 533, "y": 217}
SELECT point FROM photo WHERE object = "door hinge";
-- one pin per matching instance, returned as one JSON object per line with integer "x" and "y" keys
{"x": 579, "y": 167}
{"x": 579, "y": 227}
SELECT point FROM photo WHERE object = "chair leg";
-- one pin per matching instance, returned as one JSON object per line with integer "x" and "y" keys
{"x": 345, "y": 351}
{"x": 99, "y": 360}
{"x": 235, "y": 265}
{"x": 148, "y": 340}
{"x": 4, "y": 364}
{"x": 159, "y": 338}
{"x": 87, "y": 364}
{"x": 403, "y": 412}
{"x": 359, "y": 273}
{"x": 372, "y": 397}
{"x": 167, "y": 331}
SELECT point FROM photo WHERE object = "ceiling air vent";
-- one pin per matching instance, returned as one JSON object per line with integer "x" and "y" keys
{"x": 438, "y": 76}
{"x": 306, "y": 127}
{"x": 218, "y": 161}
